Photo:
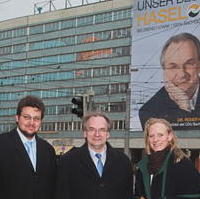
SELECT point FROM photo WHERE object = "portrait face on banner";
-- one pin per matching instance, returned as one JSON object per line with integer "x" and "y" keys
{"x": 166, "y": 53}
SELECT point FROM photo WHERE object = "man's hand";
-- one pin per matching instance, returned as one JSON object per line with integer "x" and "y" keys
{"x": 178, "y": 96}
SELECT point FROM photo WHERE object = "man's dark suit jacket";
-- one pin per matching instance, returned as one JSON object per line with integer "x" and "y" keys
{"x": 78, "y": 177}
{"x": 161, "y": 106}
{"x": 18, "y": 180}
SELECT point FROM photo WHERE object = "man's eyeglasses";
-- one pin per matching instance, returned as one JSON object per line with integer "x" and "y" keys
{"x": 189, "y": 64}
{"x": 29, "y": 118}
{"x": 92, "y": 130}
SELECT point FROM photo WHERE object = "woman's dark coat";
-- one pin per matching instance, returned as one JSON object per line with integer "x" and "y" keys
{"x": 173, "y": 181}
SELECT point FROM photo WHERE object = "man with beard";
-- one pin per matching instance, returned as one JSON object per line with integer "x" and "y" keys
{"x": 28, "y": 163}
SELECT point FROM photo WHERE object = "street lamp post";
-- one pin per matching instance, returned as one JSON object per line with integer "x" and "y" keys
{"x": 127, "y": 125}
{"x": 128, "y": 113}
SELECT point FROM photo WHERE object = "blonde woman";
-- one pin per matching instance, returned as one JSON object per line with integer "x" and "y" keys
{"x": 165, "y": 172}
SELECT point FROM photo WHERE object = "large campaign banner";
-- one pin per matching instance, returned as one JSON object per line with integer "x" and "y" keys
{"x": 165, "y": 63}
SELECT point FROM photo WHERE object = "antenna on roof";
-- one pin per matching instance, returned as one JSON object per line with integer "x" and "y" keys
{"x": 44, "y": 5}
{"x": 72, "y": 3}
{"x": 68, "y": 4}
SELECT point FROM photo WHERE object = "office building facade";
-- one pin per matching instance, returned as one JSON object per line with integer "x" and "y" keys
{"x": 66, "y": 53}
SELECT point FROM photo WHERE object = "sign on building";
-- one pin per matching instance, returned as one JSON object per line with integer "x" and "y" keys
{"x": 166, "y": 52}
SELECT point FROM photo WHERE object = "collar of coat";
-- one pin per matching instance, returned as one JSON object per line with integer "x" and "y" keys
{"x": 143, "y": 165}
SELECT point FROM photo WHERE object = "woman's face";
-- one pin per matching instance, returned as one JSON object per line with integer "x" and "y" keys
{"x": 159, "y": 137}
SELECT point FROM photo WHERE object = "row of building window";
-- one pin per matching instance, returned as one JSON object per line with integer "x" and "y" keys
{"x": 111, "y": 107}
{"x": 66, "y": 41}
{"x": 55, "y": 127}
{"x": 66, "y": 75}
{"x": 69, "y": 23}
{"x": 66, "y": 92}
{"x": 67, "y": 58}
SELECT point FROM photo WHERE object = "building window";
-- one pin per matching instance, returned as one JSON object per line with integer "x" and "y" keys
{"x": 19, "y": 48}
{"x": 48, "y": 126}
{"x": 68, "y": 126}
{"x": 64, "y": 109}
{"x": 85, "y": 38}
{"x": 118, "y": 107}
{"x": 36, "y": 45}
{"x": 118, "y": 125}
{"x": 19, "y": 32}
{"x": 49, "y": 93}
{"x": 104, "y": 17}
{"x": 119, "y": 88}
{"x": 7, "y": 127}
{"x": 101, "y": 36}
{"x": 99, "y": 72}
{"x": 77, "y": 125}
{"x": 67, "y": 58}
{"x": 81, "y": 90}
{"x": 68, "y": 24}
{"x": 51, "y": 27}
{"x": 124, "y": 69}
{"x": 101, "y": 107}
{"x": 100, "y": 90}
{"x": 36, "y": 29}
{"x": 85, "y": 21}
{"x": 122, "y": 14}
{"x": 121, "y": 51}
{"x": 120, "y": 70}
{"x": 65, "y": 92}
{"x": 51, "y": 43}
{"x": 121, "y": 33}
{"x": 67, "y": 41}
{"x": 6, "y": 34}
{"x": 4, "y": 112}
{"x": 82, "y": 73}
{"x": 50, "y": 110}
{"x": 5, "y": 50}
{"x": 60, "y": 126}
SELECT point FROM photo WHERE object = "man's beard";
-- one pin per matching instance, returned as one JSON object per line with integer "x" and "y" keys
{"x": 27, "y": 134}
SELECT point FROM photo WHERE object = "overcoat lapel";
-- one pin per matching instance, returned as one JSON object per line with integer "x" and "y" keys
{"x": 146, "y": 177}
{"x": 87, "y": 161}
{"x": 39, "y": 154}
{"x": 109, "y": 160}
{"x": 20, "y": 149}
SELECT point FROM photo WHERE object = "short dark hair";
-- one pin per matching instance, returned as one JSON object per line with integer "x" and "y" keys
{"x": 31, "y": 101}
{"x": 176, "y": 39}
{"x": 96, "y": 114}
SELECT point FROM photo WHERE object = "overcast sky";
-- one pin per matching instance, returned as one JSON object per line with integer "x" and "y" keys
{"x": 17, "y": 8}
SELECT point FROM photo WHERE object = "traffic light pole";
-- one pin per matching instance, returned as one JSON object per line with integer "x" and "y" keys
{"x": 85, "y": 109}
{"x": 89, "y": 101}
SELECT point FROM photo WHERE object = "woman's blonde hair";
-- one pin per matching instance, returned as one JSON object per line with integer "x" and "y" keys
{"x": 173, "y": 144}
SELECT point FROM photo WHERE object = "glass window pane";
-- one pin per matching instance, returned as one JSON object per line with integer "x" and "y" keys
{"x": 68, "y": 24}
{"x": 86, "y": 38}
{"x": 36, "y": 29}
{"x": 19, "y": 48}
{"x": 6, "y": 34}
{"x": 51, "y": 26}
{"x": 19, "y": 32}
{"x": 83, "y": 21}
{"x": 104, "y": 17}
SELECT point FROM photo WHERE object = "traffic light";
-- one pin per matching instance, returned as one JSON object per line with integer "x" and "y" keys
{"x": 79, "y": 102}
